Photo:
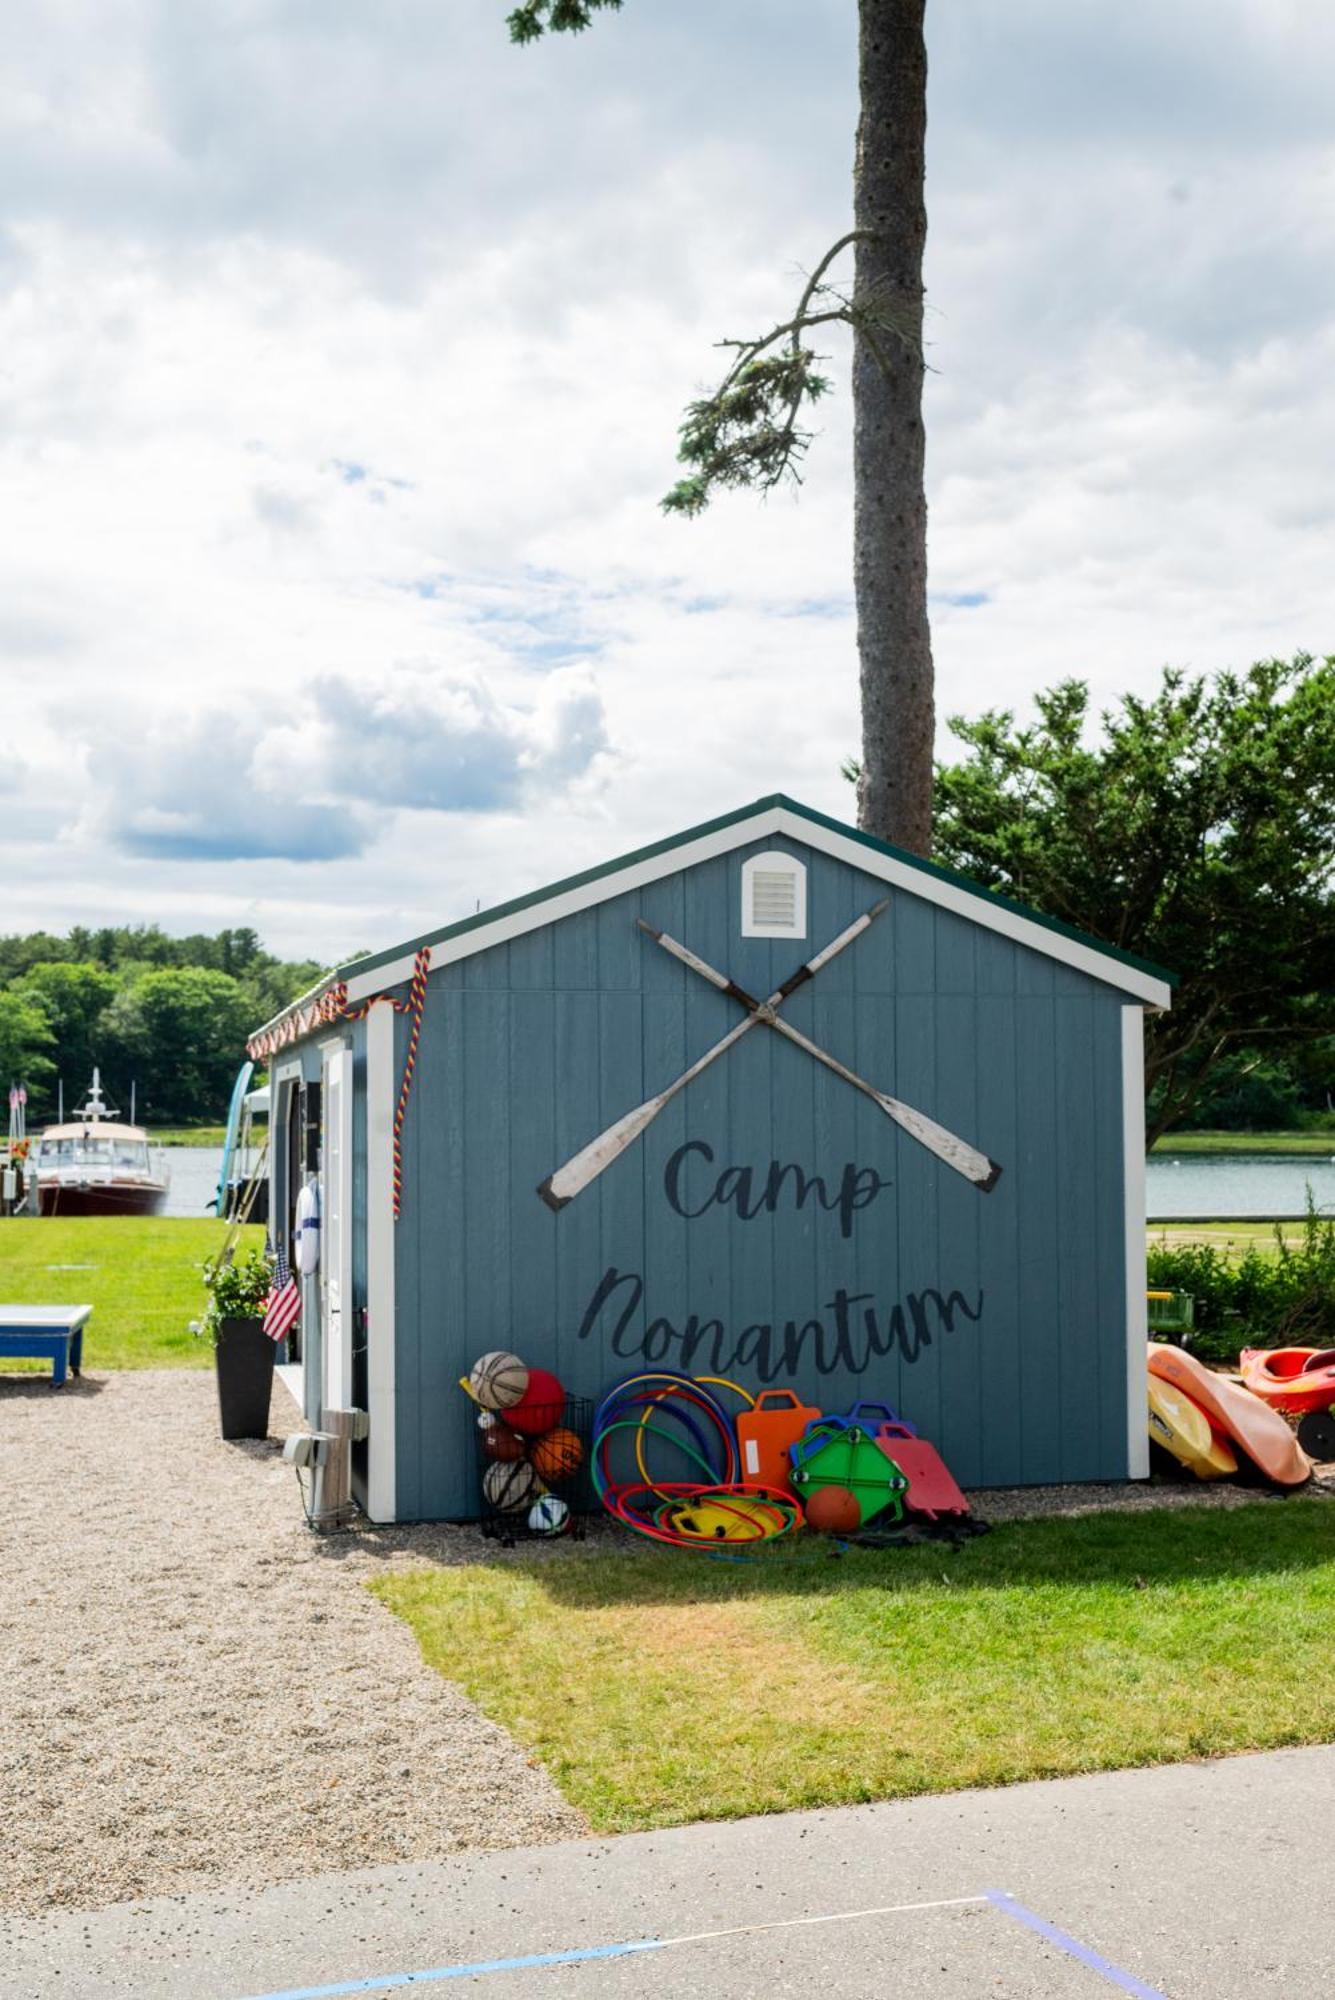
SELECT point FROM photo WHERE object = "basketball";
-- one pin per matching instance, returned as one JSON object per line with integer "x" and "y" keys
{"x": 833, "y": 1510}
{"x": 540, "y": 1406}
{"x": 557, "y": 1455}
{"x": 549, "y": 1516}
{"x": 498, "y": 1380}
{"x": 509, "y": 1487}
{"x": 501, "y": 1443}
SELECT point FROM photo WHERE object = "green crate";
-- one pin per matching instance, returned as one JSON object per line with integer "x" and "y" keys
{"x": 1171, "y": 1312}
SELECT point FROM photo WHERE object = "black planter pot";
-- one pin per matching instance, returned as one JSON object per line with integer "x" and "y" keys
{"x": 243, "y": 1359}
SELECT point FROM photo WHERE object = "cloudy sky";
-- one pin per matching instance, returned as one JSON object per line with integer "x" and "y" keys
{"x": 342, "y": 349}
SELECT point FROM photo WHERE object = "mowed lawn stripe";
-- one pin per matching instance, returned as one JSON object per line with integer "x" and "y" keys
{"x": 662, "y": 1688}
{"x": 141, "y": 1274}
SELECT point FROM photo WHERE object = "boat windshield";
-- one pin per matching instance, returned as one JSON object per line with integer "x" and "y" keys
{"x": 89, "y": 1152}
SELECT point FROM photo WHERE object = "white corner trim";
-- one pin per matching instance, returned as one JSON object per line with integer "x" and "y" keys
{"x": 1137, "y": 1310}
{"x": 967, "y": 903}
{"x": 381, "y": 1400}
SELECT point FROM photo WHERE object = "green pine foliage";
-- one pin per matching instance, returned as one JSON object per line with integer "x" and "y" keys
{"x": 558, "y": 17}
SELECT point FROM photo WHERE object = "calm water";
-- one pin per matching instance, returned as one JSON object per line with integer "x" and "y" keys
{"x": 1238, "y": 1184}
{"x": 194, "y": 1177}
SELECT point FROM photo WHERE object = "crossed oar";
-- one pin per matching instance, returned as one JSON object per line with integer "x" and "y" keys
{"x": 577, "y": 1173}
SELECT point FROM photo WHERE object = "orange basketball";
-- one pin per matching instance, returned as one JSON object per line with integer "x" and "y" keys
{"x": 557, "y": 1455}
{"x": 833, "y": 1510}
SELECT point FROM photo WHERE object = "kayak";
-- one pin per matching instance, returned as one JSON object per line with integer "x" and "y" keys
{"x": 1261, "y": 1431}
{"x": 1291, "y": 1378}
{"x": 1183, "y": 1428}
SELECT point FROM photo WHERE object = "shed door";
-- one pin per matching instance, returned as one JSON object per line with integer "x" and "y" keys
{"x": 336, "y": 1230}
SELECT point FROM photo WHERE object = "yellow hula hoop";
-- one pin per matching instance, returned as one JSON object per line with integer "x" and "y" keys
{"x": 706, "y": 1382}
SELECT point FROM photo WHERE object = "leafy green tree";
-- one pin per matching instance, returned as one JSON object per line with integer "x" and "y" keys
{"x": 750, "y": 430}
{"x": 26, "y": 1041}
{"x": 74, "y": 997}
{"x": 1197, "y": 829}
{"x": 179, "y": 1032}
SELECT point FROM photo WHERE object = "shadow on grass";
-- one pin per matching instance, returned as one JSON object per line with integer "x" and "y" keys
{"x": 1138, "y": 1551}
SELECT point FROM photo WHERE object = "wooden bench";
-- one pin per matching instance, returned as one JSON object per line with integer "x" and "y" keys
{"x": 43, "y": 1333}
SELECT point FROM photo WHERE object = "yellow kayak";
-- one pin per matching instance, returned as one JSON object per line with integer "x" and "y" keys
{"x": 1183, "y": 1428}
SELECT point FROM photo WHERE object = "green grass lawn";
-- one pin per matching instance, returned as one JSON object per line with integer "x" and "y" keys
{"x": 1230, "y": 1238}
{"x": 141, "y": 1274}
{"x": 187, "y": 1135}
{"x": 1248, "y": 1142}
{"x": 660, "y": 1687}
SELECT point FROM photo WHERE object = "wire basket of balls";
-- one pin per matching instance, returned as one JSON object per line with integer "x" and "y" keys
{"x": 532, "y": 1444}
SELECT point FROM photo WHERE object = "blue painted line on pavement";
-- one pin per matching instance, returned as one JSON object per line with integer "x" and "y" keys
{"x": 1073, "y": 1947}
{"x": 392, "y": 1981}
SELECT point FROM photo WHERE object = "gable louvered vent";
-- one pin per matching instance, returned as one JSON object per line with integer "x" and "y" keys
{"x": 774, "y": 896}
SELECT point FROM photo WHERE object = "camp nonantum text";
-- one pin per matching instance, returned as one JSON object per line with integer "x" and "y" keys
{"x": 853, "y": 1334}
{"x": 692, "y": 1188}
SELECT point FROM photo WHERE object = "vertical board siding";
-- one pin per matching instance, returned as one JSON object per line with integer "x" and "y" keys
{"x": 533, "y": 1048}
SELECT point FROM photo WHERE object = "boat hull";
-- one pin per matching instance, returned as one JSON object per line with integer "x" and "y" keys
{"x": 54, "y": 1199}
{"x": 1183, "y": 1429}
{"x": 1261, "y": 1431}
{"x": 1287, "y": 1379}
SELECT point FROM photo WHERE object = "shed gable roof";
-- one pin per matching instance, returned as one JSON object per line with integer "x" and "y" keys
{"x": 775, "y": 814}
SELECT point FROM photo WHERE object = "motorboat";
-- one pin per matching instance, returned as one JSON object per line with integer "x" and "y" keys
{"x": 94, "y": 1165}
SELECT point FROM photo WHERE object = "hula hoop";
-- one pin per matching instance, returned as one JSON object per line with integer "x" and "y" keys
{"x": 784, "y": 1508}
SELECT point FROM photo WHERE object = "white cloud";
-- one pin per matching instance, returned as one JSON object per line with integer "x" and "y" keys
{"x": 337, "y": 339}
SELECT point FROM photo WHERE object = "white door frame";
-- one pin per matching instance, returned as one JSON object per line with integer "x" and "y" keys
{"x": 336, "y": 1229}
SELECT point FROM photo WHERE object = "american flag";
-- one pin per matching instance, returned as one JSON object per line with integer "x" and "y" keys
{"x": 284, "y": 1307}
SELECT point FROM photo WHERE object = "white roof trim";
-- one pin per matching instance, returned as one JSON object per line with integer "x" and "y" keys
{"x": 967, "y": 903}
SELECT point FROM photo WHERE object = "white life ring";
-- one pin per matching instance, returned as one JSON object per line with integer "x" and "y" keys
{"x": 306, "y": 1232}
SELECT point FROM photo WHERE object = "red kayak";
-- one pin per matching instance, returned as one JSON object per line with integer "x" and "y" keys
{"x": 1250, "y": 1422}
{"x": 1295, "y": 1379}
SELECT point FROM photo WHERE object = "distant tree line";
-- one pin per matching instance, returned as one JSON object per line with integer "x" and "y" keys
{"x": 170, "y": 1015}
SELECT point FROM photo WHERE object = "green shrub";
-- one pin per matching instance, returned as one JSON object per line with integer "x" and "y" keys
{"x": 1282, "y": 1300}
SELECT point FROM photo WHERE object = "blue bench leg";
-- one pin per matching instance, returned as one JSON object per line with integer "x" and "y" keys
{"x": 58, "y": 1365}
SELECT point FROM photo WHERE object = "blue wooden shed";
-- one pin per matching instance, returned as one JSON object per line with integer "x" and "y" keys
{"x": 917, "y": 1176}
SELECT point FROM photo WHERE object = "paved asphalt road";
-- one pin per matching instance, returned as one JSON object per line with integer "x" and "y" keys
{"x": 1183, "y": 1881}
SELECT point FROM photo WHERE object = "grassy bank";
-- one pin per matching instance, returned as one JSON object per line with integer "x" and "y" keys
{"x": 187, "y": 1135}
{"x": 140, "y": 1273}
{"x": 1321, "y": 1143}
{"x": 660, "y": 1688}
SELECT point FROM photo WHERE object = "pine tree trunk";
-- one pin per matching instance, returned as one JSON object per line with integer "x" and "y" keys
{"x": 890, "y": 504}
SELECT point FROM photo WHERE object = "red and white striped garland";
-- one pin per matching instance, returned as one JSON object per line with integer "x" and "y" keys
{"x": 333, "y": 1006}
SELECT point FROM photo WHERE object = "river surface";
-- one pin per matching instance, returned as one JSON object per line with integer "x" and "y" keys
{"x": 194, "y": 1174}
{"x": 1233, "y": 1184}
{"x": 1195, "y": 1184}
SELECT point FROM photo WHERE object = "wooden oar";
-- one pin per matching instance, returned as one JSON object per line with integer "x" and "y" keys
{"x": 571, "y": 1179}
{"x": 946, "y": 1145}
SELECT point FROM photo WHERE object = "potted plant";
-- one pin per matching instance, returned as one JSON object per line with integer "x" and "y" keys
{"x": 243, "y": 1353}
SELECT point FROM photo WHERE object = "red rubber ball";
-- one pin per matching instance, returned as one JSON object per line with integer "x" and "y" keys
{"x": 833, "y": 1510}
{"x": 541, "y": 1406}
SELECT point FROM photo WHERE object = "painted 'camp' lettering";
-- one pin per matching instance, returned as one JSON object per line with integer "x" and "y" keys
{"x": 855, "y": 1334}
{"x": 738, "y": 1188}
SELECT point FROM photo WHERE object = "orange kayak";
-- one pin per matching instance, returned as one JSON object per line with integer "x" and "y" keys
{"x": 1183, "y": 1428}
{"x": 1290, "y": 1378}
{"x": 1261, "y": 1431}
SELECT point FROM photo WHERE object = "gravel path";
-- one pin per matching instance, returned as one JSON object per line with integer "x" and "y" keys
{"x": 197, "y": 1690}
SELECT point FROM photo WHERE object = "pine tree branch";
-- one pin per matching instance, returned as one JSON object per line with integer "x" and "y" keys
{"x": 747, "y": 432}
